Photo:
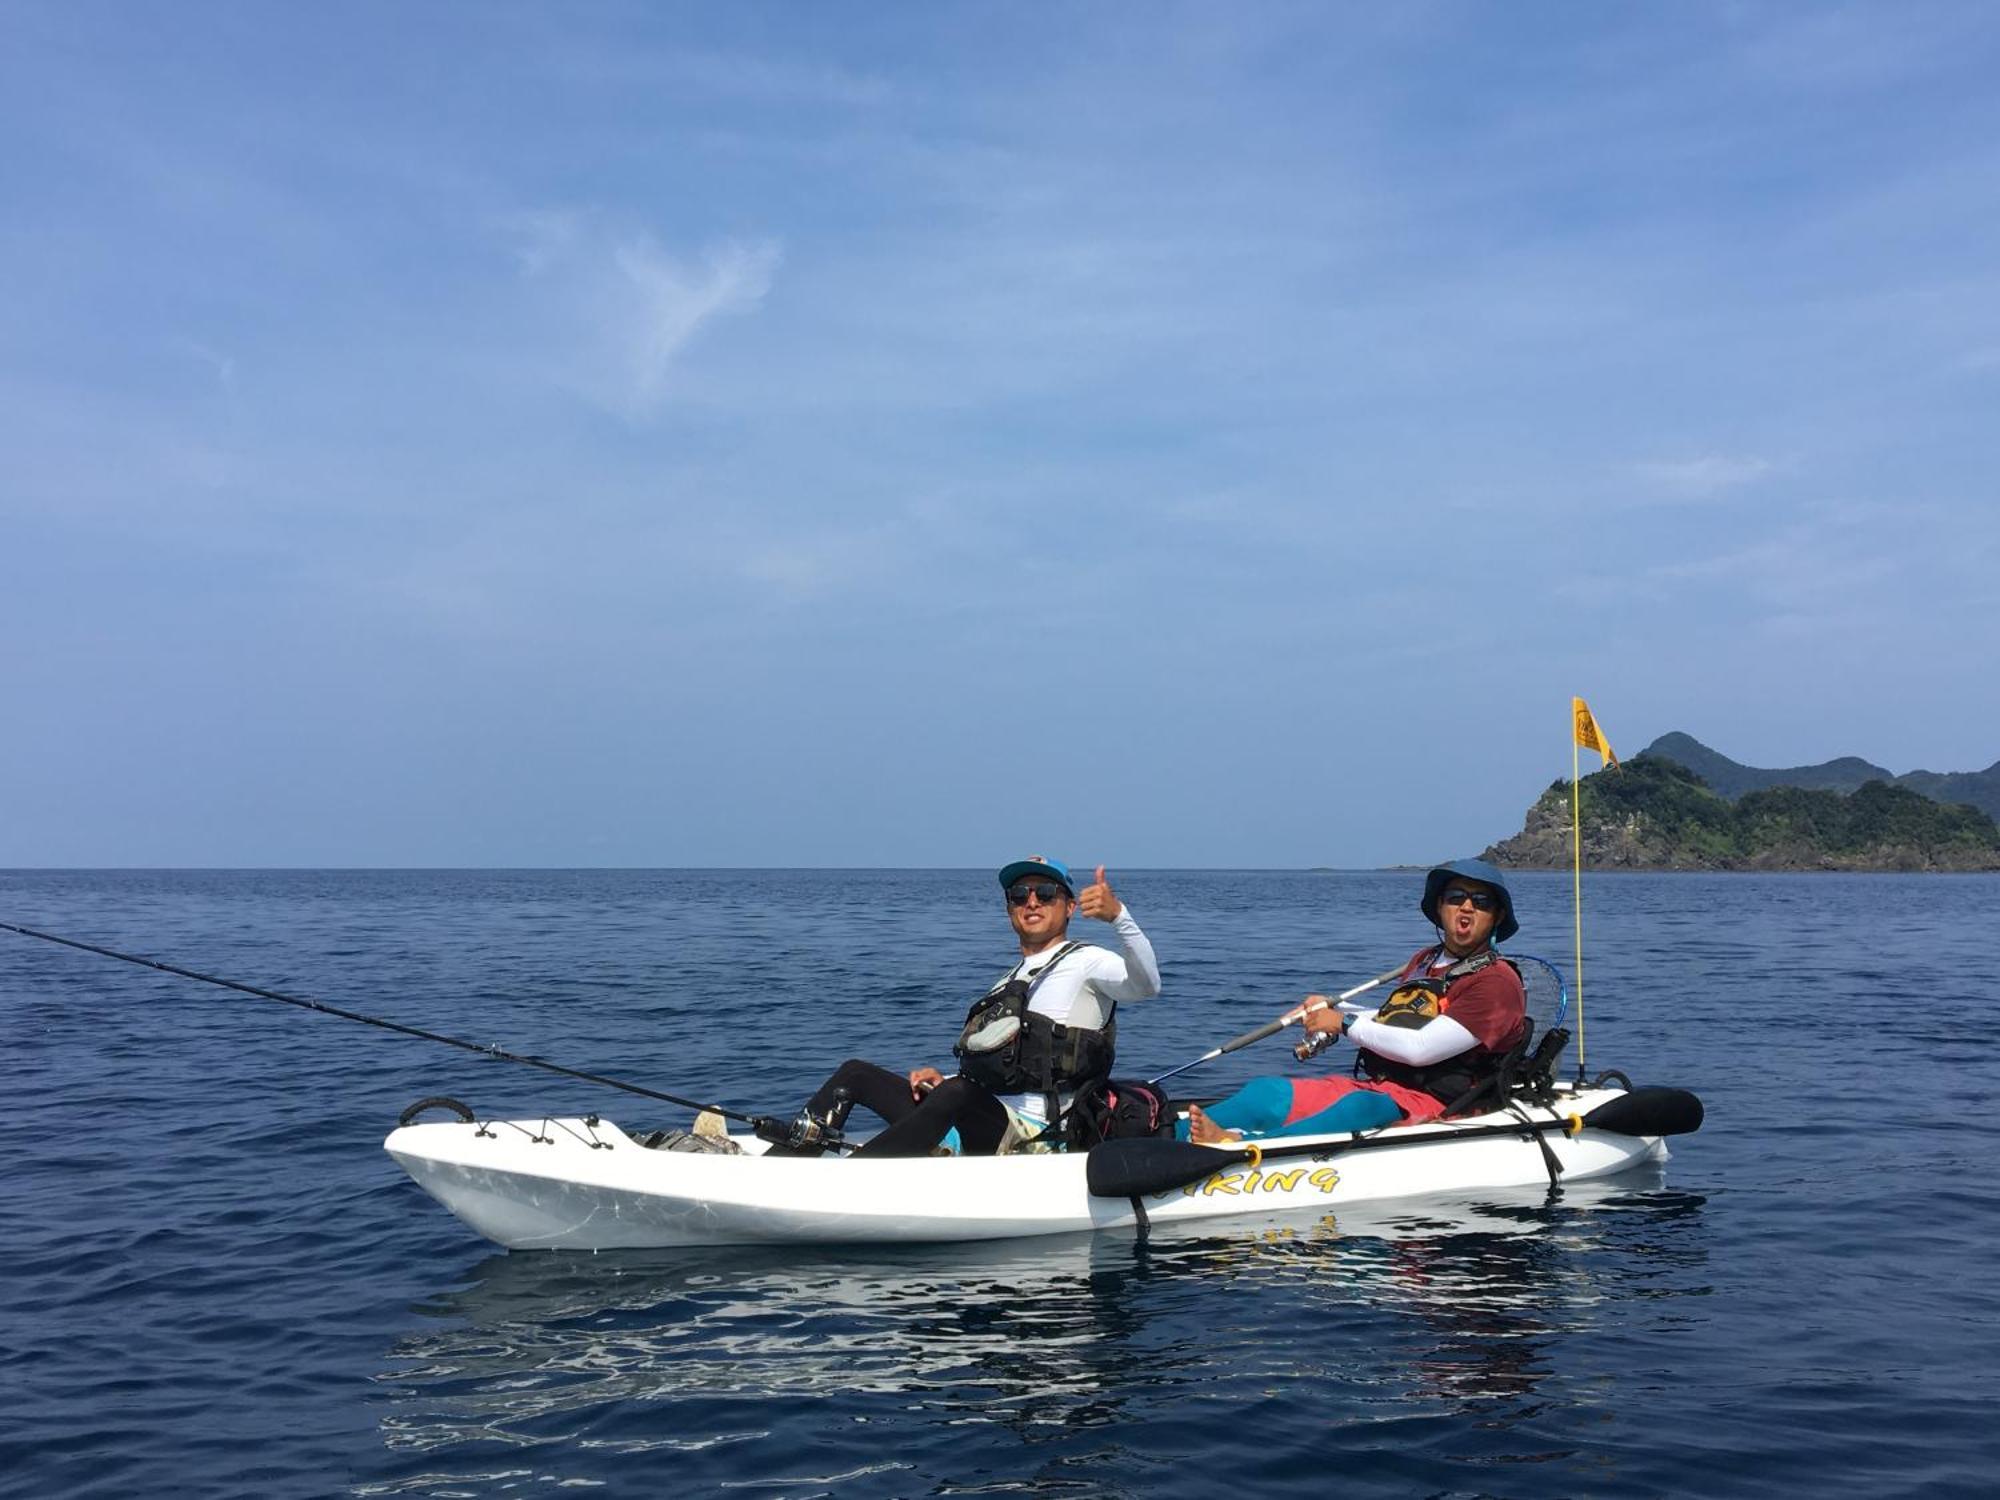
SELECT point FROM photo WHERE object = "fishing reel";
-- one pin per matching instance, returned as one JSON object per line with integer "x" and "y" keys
{"x": 1315, "y": 1043}
{"x": 805, "y": 1131}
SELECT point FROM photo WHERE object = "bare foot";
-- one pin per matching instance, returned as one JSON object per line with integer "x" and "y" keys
{"x": 1205, "y": 1132}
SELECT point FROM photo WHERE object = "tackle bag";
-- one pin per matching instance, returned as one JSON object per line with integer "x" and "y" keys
{"x": 1108, "y": 1109}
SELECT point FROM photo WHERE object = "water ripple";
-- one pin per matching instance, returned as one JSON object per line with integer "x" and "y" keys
{"x": 218, "y": 1284}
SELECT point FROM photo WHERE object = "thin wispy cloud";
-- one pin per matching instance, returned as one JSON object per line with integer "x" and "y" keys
{"x": 1705, "y": 477}
{"x": 539, "y": 238}
{"x": 223, "y": 366}
{"x": 620, "y": 310}
{"x": 1841, "y": 48}
{"x": 672, "y": 300}
{"x": 683, "y": 74}
{"x": 1846, "y": 569}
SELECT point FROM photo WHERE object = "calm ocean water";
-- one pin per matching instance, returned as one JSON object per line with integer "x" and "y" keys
{"x": 217, "y": 1284}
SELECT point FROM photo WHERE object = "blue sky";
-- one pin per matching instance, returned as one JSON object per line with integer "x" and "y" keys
{"x": 909, "y": 434}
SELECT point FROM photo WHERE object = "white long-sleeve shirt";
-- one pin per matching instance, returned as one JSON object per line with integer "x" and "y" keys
{"x": 1081, "y": 990}
{"x": 1434, "y": 1041}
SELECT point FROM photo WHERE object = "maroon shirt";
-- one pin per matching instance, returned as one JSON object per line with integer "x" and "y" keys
{"x": 1489, "y": 1003}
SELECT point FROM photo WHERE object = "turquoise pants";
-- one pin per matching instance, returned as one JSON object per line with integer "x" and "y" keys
{"x": 1261, "y": 1106}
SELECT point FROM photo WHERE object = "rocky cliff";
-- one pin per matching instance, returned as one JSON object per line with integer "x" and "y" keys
{"x": 1654, "y": 814}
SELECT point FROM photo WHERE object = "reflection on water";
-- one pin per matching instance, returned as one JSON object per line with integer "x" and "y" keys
{"x": 219, "y": 1255}
{"x": 1460, "y": 1303}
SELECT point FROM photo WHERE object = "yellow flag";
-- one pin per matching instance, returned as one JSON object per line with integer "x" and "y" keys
{"x": 1588, "y": 735}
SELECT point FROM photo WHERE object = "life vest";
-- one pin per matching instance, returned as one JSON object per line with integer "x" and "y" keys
{"x": 1011, "y": 1050}
{"x": 1417, "y": 1000}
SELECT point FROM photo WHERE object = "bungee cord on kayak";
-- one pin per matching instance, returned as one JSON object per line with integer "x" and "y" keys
{"x": 482, "y": 1048}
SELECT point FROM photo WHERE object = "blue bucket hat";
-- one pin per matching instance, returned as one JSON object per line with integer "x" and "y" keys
{"x": 1038, "y": 864}
{"x": 1504, "y": 925}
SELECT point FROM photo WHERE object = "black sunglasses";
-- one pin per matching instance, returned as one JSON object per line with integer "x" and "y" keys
{"x": 1045, "y": 891}
{"x": 1481, "y": 900}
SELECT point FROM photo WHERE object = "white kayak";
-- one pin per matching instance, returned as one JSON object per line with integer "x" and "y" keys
{"x": 585, "y": 1184}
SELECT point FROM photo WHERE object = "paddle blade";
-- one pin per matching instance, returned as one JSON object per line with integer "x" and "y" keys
{"x": 1650, "y": 1111}
{"x": 1144, "y": 1165}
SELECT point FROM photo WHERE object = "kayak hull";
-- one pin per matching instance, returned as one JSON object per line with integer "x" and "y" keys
{"x": 572, "y": 1184}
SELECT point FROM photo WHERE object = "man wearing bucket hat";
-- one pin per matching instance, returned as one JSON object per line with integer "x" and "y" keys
{"x": 1043, "y": 1031}
{"x": 1457, "y": 1011}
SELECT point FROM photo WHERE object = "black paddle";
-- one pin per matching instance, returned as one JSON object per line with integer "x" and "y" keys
{"x": 1139, "y": 1167}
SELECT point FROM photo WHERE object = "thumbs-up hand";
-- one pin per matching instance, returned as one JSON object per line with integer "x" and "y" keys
{"x": 1098, "y": 901}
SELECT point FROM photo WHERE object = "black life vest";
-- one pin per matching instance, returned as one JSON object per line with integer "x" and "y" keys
{"x": 1418, "y": 999}
{"x": 1011, "y": 1050}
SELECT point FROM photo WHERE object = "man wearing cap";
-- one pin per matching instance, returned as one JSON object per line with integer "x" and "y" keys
{"x": 1456, "y": 1013}
{"x": 1047, "y": 1027}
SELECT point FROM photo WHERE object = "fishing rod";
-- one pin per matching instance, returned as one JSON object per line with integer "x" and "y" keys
{"x": 1290, "y": 1018}
{"x": 483, "y": 1049}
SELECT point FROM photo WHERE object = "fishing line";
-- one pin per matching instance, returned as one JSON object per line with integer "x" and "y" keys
{"x": 483, "y": 1049}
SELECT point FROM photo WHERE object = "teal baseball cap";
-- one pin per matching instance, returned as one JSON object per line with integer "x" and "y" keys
{"x": 1037, "y": 864}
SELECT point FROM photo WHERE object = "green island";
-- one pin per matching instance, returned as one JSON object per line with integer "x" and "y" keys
{"x": 1655, "y": 813}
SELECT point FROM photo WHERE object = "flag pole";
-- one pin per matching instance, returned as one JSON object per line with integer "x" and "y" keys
{"x": 1576, "y": 883}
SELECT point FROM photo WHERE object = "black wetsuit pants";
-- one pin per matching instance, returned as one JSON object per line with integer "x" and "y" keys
{"x": 914, "y": 1128}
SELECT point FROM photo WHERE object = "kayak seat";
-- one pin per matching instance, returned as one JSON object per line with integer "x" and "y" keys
{"x": 1523, "y": 1073}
